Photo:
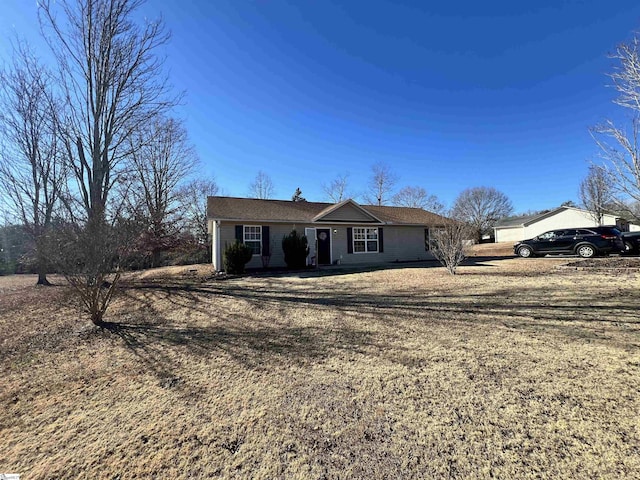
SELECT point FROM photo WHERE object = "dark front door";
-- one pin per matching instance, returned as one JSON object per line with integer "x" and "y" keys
{"x": 324, "y": 246}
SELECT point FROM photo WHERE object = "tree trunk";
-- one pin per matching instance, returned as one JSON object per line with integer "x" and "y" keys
{"x": 96, "y": 319}
{"x": 155, "y": 257}
{"x": 42, "y": 261}
{"x": 42, "y": 279}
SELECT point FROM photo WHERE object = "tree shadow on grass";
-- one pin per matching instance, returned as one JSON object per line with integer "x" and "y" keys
{"x": 257, "y": 343}
{"x": 516, "y": 301}
{"x": 161, "y": 345}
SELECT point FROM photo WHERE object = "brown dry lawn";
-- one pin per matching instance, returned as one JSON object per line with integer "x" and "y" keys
{"x": 512, "y": 369}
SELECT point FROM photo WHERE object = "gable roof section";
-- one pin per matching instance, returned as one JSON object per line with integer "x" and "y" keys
{"x": 286, "y": 211}
{"x": 346, "y": 211}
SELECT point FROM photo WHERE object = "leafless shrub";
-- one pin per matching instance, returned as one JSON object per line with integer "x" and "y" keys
{"x": 90, "y": 260}
{"x": 449, "y": 244}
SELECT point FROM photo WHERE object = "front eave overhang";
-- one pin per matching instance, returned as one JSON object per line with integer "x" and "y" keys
{"x": 322, "y": 222}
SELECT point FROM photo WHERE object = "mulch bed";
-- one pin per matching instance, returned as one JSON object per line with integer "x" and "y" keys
{"x": 607, "y": 263}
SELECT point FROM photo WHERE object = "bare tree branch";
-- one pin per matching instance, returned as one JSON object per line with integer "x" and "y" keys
{"x": 417, "y": 197}
{"x": 381, "y": 185}
{"x": 621, "y": 155}
{"x": 619, "y": 148}
{"x": 112, "y": 82}
{"x": 161, "y": 159}
{"x": 193, "y": 198}
{"x": 336, "y": 190}
{"x": 626, "y": 76}
{"x": 596, "y": 192}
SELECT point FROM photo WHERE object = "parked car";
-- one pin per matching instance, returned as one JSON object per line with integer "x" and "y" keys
{"x": 585, "y": 242}
{"x": 631, "y": 242}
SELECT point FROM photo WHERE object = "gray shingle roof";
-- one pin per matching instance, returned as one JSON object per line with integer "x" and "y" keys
{"x": 251, "y": 209}
{"x": 525, "y": 219}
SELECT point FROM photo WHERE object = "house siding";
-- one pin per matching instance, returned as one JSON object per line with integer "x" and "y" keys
{"x": 347, "y": 213}
{"x": 511, "y": 234}
{"x": 401, "y": 243}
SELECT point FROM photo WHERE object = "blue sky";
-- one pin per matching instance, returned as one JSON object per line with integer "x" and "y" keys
{"x": 450, "y": 95}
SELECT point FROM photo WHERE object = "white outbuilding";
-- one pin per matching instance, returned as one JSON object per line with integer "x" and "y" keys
{"x": 515, "y": 229}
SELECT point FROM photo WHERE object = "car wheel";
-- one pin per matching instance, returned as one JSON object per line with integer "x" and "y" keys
{"x": 586, "y": 251}
{"x": 525, "y": 252}
{"x": 628, "y": 248}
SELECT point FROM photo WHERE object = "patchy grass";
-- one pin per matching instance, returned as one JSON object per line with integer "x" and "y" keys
{"x": 511, "y": 369}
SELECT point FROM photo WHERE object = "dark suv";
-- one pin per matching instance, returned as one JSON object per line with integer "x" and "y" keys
{"x": 585, "y": 242}
{"x": 631, "y": 242}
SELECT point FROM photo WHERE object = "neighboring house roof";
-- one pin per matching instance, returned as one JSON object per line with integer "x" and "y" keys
{"x": 526, "y": 220}
{"x": 277, "y": 211}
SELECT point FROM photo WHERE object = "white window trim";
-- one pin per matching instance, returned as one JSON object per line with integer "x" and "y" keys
{"x": 366, "y": 240}
{"x": 244, "y": 237}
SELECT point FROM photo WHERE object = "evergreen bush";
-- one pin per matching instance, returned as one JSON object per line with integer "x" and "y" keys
{"x": 296, "y": 249}
{"x": 236, "y": 256}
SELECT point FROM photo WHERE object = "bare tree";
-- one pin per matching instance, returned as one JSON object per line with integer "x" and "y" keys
{"x": 113, "y": 83}
{"x": 194, "y": 207}
{"x": 261, "y": 187}
{"x": 449, "y": 244}
{"x": 381, "y": 185}
{"x": 31, "y": 174}
{"x": 596, "y": 192}
{"x": 619, "y": 148}
{"x": 161, "y": 159}
{"x": 481, "y": 208}
{"x": 336, "y": 190}
{"x": 417, "y": 197}
{"x": 620, "y": 152}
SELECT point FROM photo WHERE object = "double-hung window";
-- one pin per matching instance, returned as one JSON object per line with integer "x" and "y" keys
{"x": 253, "y": 238}
{"x": 365, "y": 240}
